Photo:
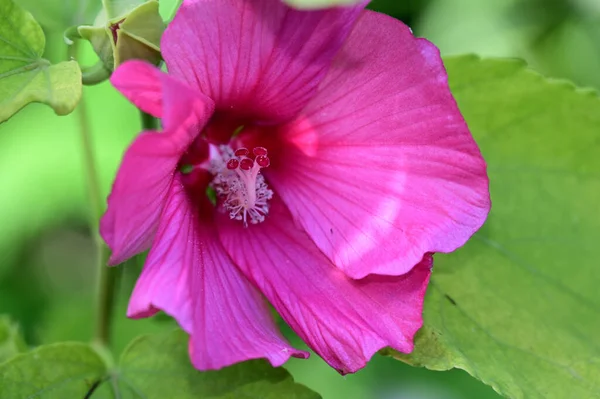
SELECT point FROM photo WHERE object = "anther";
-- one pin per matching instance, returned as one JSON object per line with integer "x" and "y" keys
{"x": 233, "y": 164}
{"x": 239, "y": 185}
{"x": 241, "y": 152}
{"x": 246, "y": 164}
{"x": 260, "y": 151}
{"x": 263, "y": 161}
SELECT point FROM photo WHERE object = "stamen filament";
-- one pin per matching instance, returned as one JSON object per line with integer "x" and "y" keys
{"x": 240, "y": 185}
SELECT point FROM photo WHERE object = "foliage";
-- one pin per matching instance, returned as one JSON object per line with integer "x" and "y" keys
{"x": 151, "y": 367}
{"x": 518, "y": 306}
{"x": 65, "y": 370}
{"x": 11, "y": 342}
{"x": 24, "y": 75}
{"x": 158, "y": 367}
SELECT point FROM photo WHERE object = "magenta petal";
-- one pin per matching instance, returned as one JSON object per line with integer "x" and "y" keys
{"x": 165, "y": 280}
{"x": 232, "y": 321}
{"x": 141, "y": 83}
{"x": 189, "y": 276}
{"x": 344, "y": 320}
{"x": 380, "y": 168}
{"x": 260, "y": 58}
{"x": 142, "y": 182}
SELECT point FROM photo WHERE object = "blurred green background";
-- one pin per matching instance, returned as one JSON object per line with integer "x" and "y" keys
{"x": 46, "y": 254}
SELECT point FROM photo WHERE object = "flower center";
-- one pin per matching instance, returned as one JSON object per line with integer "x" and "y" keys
{"x": 240, "y": 186}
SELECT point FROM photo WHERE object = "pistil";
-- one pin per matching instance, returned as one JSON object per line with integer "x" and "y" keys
{"x": 241, "y": 187}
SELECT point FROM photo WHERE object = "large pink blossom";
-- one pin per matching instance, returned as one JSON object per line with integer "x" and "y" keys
{"x": 339, "y": 160}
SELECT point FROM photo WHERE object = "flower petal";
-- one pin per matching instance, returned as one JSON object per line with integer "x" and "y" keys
{"x": 381, "y": 168}
{"x": 189, "y": 276}
{"x": 344, "y": 320}
{"x": 146, "y": 172}
{"x": 164, "y": 283}
{"x": 141, "y": 83}
{"x": 259, "y": 59}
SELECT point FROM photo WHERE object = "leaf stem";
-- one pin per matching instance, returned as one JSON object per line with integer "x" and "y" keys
{"x": 89, "y": 160}
{"x": 107, "y": 277}
{"x": 148, "y": 121}
{"x": 94, "y": 74}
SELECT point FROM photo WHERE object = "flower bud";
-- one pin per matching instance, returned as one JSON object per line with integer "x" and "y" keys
{"x": 131, "y": 31}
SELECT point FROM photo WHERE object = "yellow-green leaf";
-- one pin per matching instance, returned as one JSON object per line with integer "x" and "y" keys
{"x": 25, "y": 76}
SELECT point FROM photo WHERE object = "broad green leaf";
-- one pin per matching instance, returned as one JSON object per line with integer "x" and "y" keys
{"x": 24, "y": 75}
{"x": 11, "y": 341}
{"x": 59, "y": 371}
{"x": 312, "y": 4}
{"x": 158, "y": 367}
{"x": 519, "y": 307}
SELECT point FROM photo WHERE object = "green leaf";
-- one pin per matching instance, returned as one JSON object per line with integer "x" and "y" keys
{"x": 158, "y": 367}
{"x": 24, "y": 75}
{"x": 518, "y": 306}
{"x": 59, "y": 371}
{"x": 312, "y": 4}
{"x": 11, "y": 341}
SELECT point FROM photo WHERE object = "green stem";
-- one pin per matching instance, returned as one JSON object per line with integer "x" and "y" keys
{"x": 89, "y": 160}
{"x": 148, "y": 121}
{"x": 107, "y": 282}
{"x": 70, "y": 35}
{"x": 95, "y": 74}
{"x": 107, "y": 277}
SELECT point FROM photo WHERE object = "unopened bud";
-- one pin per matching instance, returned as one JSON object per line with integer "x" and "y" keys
{"x": 131, "y": 32}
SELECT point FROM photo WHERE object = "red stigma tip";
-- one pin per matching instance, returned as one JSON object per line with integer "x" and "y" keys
{"x": 232, "y": 164}
{"x": 263, "y": 161}
{"x": 260, "y": 151}
{"x": 246, "y": 163}
{"x": 241, "y": 152}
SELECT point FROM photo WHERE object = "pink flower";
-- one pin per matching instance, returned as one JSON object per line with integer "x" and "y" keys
{"x": 352, "y": 165}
